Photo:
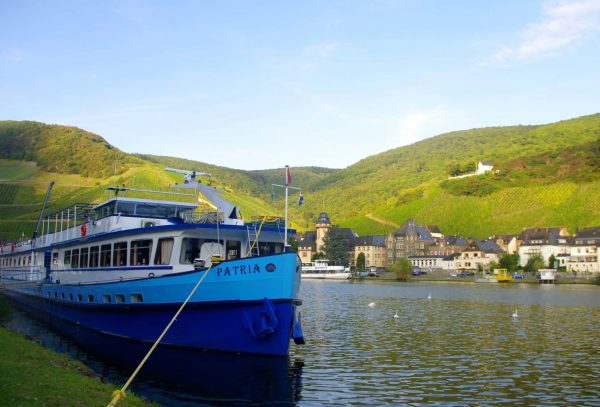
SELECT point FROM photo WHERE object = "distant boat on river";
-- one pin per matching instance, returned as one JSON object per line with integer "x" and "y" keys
{"x": 320, "y": 269}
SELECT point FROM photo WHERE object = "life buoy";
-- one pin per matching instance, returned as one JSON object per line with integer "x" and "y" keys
{"x": 83, "y": 229}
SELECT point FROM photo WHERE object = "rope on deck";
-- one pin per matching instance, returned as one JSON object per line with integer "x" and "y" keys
{"x": 118, "y": 395}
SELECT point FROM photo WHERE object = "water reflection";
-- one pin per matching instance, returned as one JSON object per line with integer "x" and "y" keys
{"x": 172, "y": 376}
{"x": 461, "y": 347}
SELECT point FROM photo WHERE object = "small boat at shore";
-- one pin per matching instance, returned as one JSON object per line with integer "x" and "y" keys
{"x": 320, "y": 269}
{"x": 125, "y": 266}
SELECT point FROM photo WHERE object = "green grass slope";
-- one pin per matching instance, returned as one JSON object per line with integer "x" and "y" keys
{"x": 543, "y": 176}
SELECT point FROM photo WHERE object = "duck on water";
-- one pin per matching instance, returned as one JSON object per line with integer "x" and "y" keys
{"x": 124, "y": 267}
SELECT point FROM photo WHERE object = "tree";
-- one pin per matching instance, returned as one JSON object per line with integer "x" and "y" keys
{"x": 360, "y": 262}
{"x": 401, "y": 268}
{"x": 492, "y": 265}
{"x": 509, "y": 262}
{"x": 534, "y": 263}
{"x": 293, "y": 242}
{"x": 336, "y": 248}
{"x": 552, "y": 263}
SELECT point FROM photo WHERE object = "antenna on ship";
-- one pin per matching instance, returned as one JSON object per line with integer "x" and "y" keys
{"x": 288, "y": 181}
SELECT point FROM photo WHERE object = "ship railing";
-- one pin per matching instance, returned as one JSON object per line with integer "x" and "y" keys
{"x": 21, "y": 273}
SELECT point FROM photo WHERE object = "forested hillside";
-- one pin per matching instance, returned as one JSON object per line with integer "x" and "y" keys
{"x": 544, "y": 175}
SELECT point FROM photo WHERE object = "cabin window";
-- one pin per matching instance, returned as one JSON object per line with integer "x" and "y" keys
{"x": 75, "y": 259}
{"x": 90, "y": 298}
{"x": 140, "y": 252}
{"x": 79, "y": 297}
{"x": 192, "y": 248}
{"x": 67, "y": 258}
{"x": 152, "y": 211}
{"x": 125, "y": 208}
{"x": 106, "y": 210}
{"x": 105, "y": 255}
{"x": 270, "y": 248}
{"x": 233, "y": 249}
{"x": 83, "y": 257}
{"x": 134, "y": 298}
{"x": 106, "y": 298}
{"x": 70, "y": 297}
{"x": 55, "y": 258}
{"x": 120, "y": 298}
{"x": 94, "y": 251}
{"x": 163, "y": 251}
{"x": 120, "y": 254}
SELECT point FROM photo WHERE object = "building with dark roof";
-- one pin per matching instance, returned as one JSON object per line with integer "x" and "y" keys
{"x": 408, "y": 240}
{"x": 545, "y": 242}
{"x": 478, "y": 255}
{"x": 373, "y": 247}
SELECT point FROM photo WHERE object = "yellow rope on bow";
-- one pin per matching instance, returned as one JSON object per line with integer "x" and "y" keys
{"x": 118, "y": 395}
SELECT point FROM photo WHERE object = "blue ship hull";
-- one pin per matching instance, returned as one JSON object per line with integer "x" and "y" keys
{"x": 246, "y": 305}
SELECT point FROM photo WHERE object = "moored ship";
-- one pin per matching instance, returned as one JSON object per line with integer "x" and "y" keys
{"x": 125, "y": 266}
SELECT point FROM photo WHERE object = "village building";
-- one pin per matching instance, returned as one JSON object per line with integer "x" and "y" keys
{"x": 408, "y": 240}
{"x": 427, "y": 263}
{"x": 478, "y": 255}
{"x": 483, "y": 167}
{"x": 448, "y": 245}
{"x": 373, "y": 248}
{"x": 508, "y": 243}
{"x": 585, "y": 254}
{"x": 544, "y": 242}
{"x": 312, "y": 242}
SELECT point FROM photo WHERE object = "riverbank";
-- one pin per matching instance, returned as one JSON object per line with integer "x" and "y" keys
{"x": 31, "y": 375}
{"x": 441, "y": 277}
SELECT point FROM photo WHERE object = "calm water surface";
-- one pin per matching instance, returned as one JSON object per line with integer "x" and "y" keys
{"x": 461, "y": 347}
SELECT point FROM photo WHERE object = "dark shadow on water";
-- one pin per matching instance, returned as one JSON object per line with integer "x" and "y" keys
{"x": 171, "y": 376}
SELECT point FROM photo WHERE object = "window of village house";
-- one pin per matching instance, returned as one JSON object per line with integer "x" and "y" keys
{"x": 164, "y": 249}
{"x": 83, "y": 258}
{"x": 140, "y": 252}
{"x": 94, "y": 250}
{"x": 120, "y": 254}
{"x": 105, "y": 252}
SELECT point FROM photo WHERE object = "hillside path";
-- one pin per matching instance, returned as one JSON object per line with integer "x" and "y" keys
{"x": 382, "y": 221}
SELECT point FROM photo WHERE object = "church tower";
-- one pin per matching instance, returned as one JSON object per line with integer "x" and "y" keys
{"x": 323, "y": 226}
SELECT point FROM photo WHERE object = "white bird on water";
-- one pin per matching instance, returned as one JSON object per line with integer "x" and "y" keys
{"x": 515, "y": 314}
{"x": 371, "y": 304}
{"x": 429, "y": 296}
{"x": 396, "y": 315}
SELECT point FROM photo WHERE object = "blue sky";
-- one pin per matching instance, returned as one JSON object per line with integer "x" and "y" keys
{"x": 256, "y": 85}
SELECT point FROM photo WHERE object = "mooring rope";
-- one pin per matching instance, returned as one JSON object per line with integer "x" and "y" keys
{"x": 120, "y": 394}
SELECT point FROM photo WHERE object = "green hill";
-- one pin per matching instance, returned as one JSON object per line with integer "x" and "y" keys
{"x": 545, "y": 175}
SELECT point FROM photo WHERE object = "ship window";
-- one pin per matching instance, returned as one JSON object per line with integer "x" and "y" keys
{"x": 106, "y": 298}
{"x": 75, "y": 259}
{"x": 67, "y": 258}
{"x": 55, "y": 294}
{"x": 233, "y": 249}
{"x": 90, "y": 298}
{"x": 270, "y": 248}
{"x": 119, "y": 298}
{"x": 192, "y": 248}
{"x": 94, "y": 250}
{"x": 55, "y": 258}
{"x": 105, "y": 255}
{"x": 126, "y": 208}
{"x": 140, "y": 252}
{"x": 83, "y": 259}
{"x": 48, "y": 294}
{"x": 79, "y": 297}
{"x": 136, "y": 298}
{"x": 163, "y": 251}
{"x": 120, "y": 254}
{"x": 71, "y": 297}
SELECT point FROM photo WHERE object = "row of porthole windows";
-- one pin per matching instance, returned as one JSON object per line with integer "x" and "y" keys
{"x": 106, "y": 298}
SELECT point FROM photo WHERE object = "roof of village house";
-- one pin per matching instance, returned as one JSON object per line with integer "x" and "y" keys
{"x": 455, "y": 241}
{"x": 588, "y": 233}
{"x": 541, "y": 235}
{"x": 308, "y": 239}
{"x": 486, "y": 246}
{"x": 505, "y": 238}
{"x": 452, "y": 256}
{"x": 411, "y": 229}
{"x": 369, "y": 241}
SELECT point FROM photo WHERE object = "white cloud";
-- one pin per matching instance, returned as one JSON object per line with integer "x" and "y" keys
{"x": 418, "y": 125}
{"x": 565, "y": 23}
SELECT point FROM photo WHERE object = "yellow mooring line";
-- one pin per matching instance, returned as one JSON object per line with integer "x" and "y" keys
{"x": 120, "y": 394}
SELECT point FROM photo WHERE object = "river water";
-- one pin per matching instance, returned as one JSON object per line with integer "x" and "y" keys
{"x": 461, "y": 347}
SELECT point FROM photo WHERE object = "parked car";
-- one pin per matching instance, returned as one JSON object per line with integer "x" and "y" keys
{"x": 373, "y": 274}
{"x": 518, "y": 276}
